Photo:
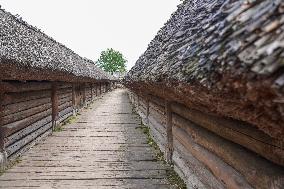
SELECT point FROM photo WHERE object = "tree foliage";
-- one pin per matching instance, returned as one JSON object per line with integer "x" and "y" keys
{"x": 112, "y": 61}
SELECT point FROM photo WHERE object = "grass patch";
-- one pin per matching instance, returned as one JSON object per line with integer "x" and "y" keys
{"x": 172, "y": 176}
{"x": 70, "y": 120}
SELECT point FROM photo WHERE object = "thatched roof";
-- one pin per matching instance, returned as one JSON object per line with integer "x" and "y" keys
{"x": 220, "y": 56}
{"x": 26, "y": 53}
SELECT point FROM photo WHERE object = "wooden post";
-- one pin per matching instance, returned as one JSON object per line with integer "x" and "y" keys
{"x": 84, "y": 94}
{"x": 96, "y": 87}
{"x": 74, "y": 98}
{"x": 92, "y": 95}
{"x": 100, "y": 89}
{"x": 54, "y": 101}
{"x": 169, "y": 125}
{"x": 138, "y": 102}
{"x": 147, "y": 109}
{"x": 3, "y": 153}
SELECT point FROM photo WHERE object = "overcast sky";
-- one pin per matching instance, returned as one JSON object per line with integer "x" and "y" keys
{"x": 90, "y": 26}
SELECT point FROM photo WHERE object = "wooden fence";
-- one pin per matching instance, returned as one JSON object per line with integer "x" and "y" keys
{"x": 30, "y": 110}
{"x": 209, "y": 151}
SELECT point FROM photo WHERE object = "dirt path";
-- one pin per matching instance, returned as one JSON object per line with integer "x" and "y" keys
{"x": 102, "y": 149}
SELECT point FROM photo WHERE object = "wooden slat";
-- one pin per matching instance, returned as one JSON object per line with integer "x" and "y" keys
{"x": 24, "y": 114}
{"x": 64, "y": 117}
{"x": 18, "y": 107}
{"x": 23, "y": 87}
{"x": 266, "y": 174}
{"x": 12, "y": 98}
{"x": 65, "y": 105}
{"x": 66, "y": 95}
{"x": 229, "y": 176}
{"x": 157, "y": 100}
{"x": 193, "y": 169}
{"x": 238, "y": 132}
{"x": 27, "y": 139}
{"x": 65, "y": 111}
{"x": 20, "y": 134}
{"x": 7, "y": 130}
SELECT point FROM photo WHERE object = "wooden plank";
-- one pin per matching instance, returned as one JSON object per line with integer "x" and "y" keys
{"x": 169, "y": 124}
{"x": 64, "y": 91}
{"x": 63, "y": 85}
{"x": 238, "y": 132}
{"x": 192, "y": 167}
{"x": 7, "y": 130}
{"x": 159, "y": 109}
{"x": 229, "y": 176}
{"x": 64, "y": 117}
{"x": 159, "y": 117}
{"x": 21, "y": 106}
{"x": 157, "y": 100}
{"x": 65, "y": 111}
{"x": 10, "y": 118}
{"x": 65, "y": 105}
{"x": 27, "y": 139}
{"x": 66, "y": 95}
{"x": 267, "y": 173}
{"x": 11, "y": 98}
{"x": 20, "y": 134}
{"x": 25, "y": 148}
{"x": 64, "y": 100}
{"x": 16, "y": 87}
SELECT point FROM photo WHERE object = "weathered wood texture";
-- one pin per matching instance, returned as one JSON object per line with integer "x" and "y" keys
{"x": 210, "y": 151}
{"x": 27, "y": 114}
{"x": 29, "y": 110}
{"x": 104, "y": 148}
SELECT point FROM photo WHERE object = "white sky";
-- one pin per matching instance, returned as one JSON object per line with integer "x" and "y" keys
{"x": 90, "y": 26}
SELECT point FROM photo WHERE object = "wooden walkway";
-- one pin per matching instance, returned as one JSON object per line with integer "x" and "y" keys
{"x": 102, "y": 149}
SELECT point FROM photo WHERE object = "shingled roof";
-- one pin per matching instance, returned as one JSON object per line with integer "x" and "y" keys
{"x": 223, "y": 57}
{"x": 26, "y": 53}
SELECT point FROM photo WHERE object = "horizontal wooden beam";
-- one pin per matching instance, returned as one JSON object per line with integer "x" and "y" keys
{"x": 16, "y": 87}
{"x": 229, "y": 176}
{"x": 236, "y": 131}
{"x": 266, "y": 173}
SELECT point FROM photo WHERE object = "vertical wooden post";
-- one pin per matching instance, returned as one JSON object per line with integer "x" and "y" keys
{"x": 96, "y": 87}
{"x": 92, "y": 95}
{"x": 169, "y": 149}
{"x": 3, "y": 153}
{"x": 138, "y": 102}
{"x": 100, "y": 89}
{"x": 147, "y": 108}
{"x": 74, "y": 98}
{"x": 1, "y": 121}
{"x": 84, "y": 94}
{"x": 54, "y": 101}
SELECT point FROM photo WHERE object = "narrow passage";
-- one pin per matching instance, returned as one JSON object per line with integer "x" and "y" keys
{"x": 102, "y": 149}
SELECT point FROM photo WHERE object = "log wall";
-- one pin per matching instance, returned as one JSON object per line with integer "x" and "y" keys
{"x": 209, "y": 151}
{"x": 30, "y": 111}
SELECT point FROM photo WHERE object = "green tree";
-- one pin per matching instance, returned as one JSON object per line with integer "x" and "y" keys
{"x": 112, "y": 61}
